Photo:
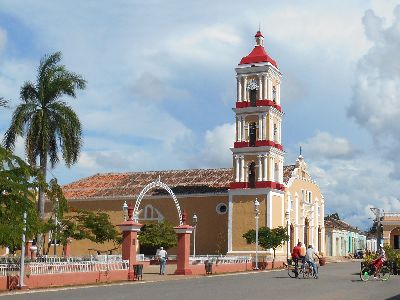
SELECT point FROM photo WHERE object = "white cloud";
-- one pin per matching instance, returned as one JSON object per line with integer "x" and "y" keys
{"x": 321, "y": 29}
{"x": 149, "y": 88}
{"x": 217, "y": 142}
{"x": 212, "y": 44}
{"x": 3, "y": 38}
{"x": 376, "y": 94}
{"x": 351, "y": 187}
{"x": 324, "y": 145}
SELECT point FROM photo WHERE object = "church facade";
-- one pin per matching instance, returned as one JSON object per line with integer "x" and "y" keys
{"x": 223, "y": 199}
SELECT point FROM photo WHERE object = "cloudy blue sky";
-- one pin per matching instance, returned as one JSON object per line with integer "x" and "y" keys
{"x": 161, "y": 85}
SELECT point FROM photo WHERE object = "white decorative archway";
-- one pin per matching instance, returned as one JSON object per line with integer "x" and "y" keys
{"x": 151, "y": 185}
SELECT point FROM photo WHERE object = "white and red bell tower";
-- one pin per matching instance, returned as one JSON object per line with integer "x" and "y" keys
{"x": 258, "y": 153}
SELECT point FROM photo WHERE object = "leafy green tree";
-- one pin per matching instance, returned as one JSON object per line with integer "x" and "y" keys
{"x": 268, "y": 238}
{"x": 18, "y": 185}
{"x": 154, "y": 236}
{"x": 48, "y": 124}
{"x": 334, "y": 216}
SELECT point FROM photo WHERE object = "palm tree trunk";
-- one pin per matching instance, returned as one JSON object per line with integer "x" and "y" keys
{"x": 42, "y": 199}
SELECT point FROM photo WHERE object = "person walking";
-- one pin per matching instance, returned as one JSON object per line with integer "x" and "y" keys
{"x": 163, "y": 260}
{"x": 310, "y": 260}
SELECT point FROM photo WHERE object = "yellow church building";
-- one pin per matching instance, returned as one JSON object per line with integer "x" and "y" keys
{"x": 223, "y": 199}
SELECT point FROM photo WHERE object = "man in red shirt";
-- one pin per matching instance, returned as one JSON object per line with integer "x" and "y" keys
{"x": 295, "y": 256}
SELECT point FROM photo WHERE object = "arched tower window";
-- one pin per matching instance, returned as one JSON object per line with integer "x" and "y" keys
{"x": 252, "y": 134}
{"x": 253, "y": 87}
{"x": 252, "y": 175}
{"x": 253, "y": 98}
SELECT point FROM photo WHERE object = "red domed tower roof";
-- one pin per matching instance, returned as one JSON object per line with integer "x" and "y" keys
{"x": 258, "y": 54}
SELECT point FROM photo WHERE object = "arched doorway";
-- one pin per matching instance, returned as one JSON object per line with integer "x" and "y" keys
{"x": 306, "y": 228}
{"x": 395, "y": 238}
{"x": 252, "y": 175}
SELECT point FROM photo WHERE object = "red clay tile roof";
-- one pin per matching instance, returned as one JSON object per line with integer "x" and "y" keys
{"x": 340, "y": 224}
{"x": 257, "y": 55}
{"x": 109, "y": 185}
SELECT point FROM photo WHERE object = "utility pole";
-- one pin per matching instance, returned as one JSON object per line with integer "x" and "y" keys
{"x": 377, "y": 213}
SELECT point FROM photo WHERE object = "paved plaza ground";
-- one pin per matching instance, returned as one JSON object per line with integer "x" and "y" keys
{"x": 337, "y": 281}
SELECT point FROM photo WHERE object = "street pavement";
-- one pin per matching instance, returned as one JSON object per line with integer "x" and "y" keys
{"x": 336, "y": 281}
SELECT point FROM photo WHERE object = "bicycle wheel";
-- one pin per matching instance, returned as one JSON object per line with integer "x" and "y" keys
{"x": 384, "y": 273}
{"x": 291, "y": 271}
{"x": 365, "y": 273}
{"x": 307, "y": 270}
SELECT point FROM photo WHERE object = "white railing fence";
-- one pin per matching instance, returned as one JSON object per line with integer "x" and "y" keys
{"x": 84, "y": 266}
{"x": 219, "y": 259}
{"x": 9, "y": 269}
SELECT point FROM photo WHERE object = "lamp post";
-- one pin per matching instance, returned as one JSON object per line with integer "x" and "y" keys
{"x": 287, "y": 214}
{"x": 22, "y": 261}
{"x": 125, "y": 210}
{"x": 194, "y": 234}
{"x": 55, "y": 228}
{"x": 256, "y": 210}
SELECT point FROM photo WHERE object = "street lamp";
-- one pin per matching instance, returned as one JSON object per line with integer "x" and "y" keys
{"x": 194, "y": 234}
{"x": 256, "y": 210}
{"x": 287, "y": 214}
{"x": 125, "y": 210}
{"x": 22, "y": 261}
{"x": 56, "y": 227}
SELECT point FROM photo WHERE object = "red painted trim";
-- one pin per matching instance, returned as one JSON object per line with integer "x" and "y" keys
{"x": 238, "y": 185}
{"x": 280, "y": 147}
{"x": 242, "y": 104}
{"x": 259, "y": 103}
{"x": 265, "y": 103}
{"x": 270, "y": 184}
{"x": 240, "y": 144}
{"x": 265, "y": 143}
{"x": 266, "y": 184}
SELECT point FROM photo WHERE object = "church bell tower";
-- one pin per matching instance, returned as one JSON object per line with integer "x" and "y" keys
{"x": 258, "y": 153}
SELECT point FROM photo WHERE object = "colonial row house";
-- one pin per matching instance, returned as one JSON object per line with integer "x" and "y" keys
{"x": 223, "y": 199}
{"x": 342, "y": 239}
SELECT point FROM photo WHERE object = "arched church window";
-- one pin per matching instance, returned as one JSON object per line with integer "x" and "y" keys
{"x": 253, "y": 87}
{"x": 150, "y": 213}
{"x": 252, "y": 134}
{"x": 252, "y": 175}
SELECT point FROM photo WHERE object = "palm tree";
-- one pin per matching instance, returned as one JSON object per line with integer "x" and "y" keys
{"x": 49, "y": 125}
